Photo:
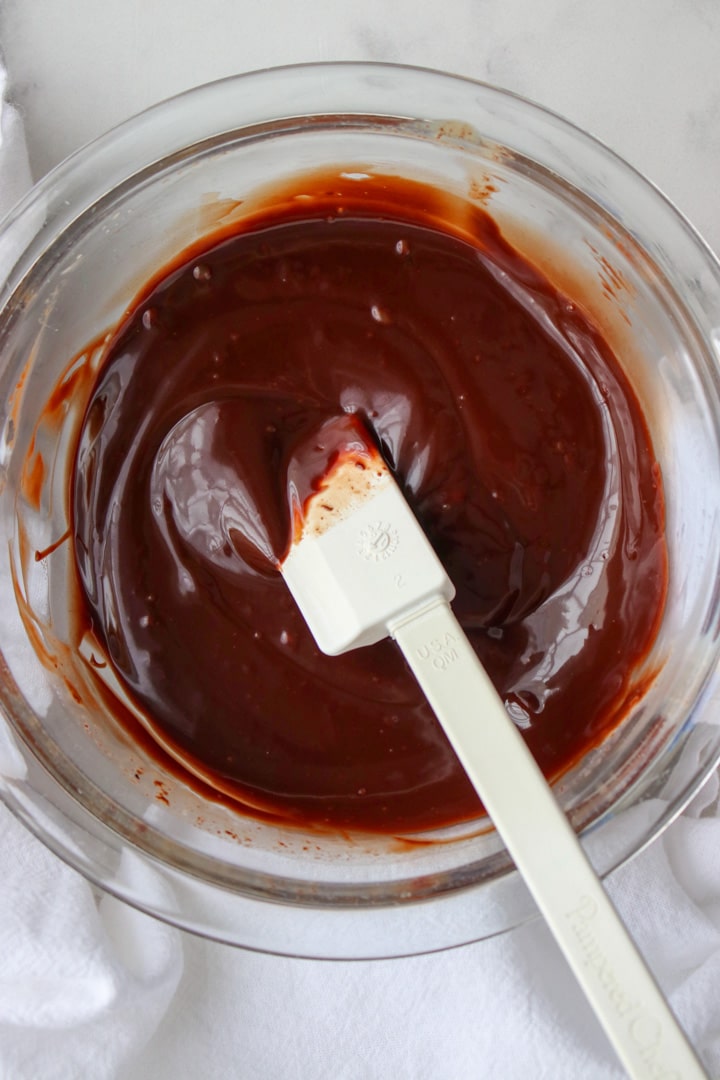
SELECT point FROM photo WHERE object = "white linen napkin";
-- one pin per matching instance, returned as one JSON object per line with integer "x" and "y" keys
{"x": 84, "y": 981}
{"x": 503, "y": 1009}
{"x": 14, "y": 167}
{"x": 92, "y": 989}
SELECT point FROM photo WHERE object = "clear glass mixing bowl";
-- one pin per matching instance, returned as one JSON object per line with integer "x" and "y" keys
{"x": 72, "y": 256}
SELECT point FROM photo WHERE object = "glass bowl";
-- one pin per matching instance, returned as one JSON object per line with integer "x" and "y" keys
{"x": 73, "y": 255}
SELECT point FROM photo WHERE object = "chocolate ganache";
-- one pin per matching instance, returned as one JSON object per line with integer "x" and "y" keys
{"x": 503, "y": 413}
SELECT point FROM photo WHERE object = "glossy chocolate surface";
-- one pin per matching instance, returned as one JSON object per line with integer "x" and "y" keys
{"x": 511, "y": 427}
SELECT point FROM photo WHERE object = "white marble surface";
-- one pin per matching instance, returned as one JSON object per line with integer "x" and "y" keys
{"x": 642, "y": 75}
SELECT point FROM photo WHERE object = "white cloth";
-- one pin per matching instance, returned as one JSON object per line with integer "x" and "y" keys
{"x": 503, "y": 1009}
{"x": 14, "y": 167}
{"x": 84, "y": 981}
{"x": 91, "y": 989}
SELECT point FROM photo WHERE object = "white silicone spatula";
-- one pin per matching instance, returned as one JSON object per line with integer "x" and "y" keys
{"x": 360, "y": 569}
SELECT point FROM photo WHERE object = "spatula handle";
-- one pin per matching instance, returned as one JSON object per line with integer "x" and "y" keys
{"x": 546, "y": 851}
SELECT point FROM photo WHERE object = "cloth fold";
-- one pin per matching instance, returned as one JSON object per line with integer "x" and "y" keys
{"x": 74, "y": 1000}
{"x": 84, "y": 981}
{"x": 91, "y": 988}
{"x": 14, "y": 166}
{"x": 507, "y": 1008}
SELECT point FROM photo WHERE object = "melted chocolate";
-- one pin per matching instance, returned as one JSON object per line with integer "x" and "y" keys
{"x": 507, "y": 420}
